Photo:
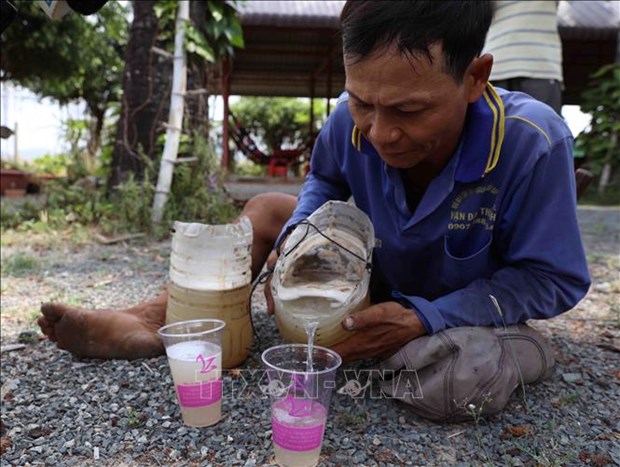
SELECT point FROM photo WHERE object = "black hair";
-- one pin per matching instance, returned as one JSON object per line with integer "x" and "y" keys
{"x": 460, "y": 26}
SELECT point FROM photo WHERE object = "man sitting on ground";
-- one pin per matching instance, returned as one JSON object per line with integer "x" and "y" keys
{"x": 470, "y": 189}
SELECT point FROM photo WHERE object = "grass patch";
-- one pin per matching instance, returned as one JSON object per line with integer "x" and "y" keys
{"x": 20, "y": 265}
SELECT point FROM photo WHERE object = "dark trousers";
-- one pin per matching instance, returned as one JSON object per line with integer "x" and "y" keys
{"x": 548, "y": 91}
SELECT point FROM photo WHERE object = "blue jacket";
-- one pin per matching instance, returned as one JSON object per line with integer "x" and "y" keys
{"x": 500, "y": 219}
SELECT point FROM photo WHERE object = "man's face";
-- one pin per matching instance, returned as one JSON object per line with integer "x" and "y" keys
{"x": 409, "y": 109}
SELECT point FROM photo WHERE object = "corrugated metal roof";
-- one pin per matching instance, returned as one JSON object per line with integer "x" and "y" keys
{"x": 591, "y": 19}
{"x": 599, "y": 14}
{"x": 576, "y": 14}
{"x": 292, "y": 47}
{"x": 306, "y": 13}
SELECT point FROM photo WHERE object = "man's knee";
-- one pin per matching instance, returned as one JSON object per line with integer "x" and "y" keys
{"x": 465, "y": 372}
{"x": 268, "y": 213}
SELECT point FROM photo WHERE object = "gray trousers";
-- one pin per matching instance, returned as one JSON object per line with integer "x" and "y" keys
{"x": 548, "y": 91}
{"x": 461, "y": 373}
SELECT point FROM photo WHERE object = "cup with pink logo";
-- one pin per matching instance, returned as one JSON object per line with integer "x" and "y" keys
{"x": 194, "y": 353}
{"x": 301, "y": 379}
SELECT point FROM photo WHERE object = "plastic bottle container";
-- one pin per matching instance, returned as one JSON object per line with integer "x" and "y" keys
{"x": 320, "y": 280}
{"x": 210, "y": 277}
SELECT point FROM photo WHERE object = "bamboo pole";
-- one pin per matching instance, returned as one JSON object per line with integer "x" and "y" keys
{"x": 175, "y": 117}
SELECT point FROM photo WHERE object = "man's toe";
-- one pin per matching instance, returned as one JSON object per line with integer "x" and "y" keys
{"x": 46, "y": 327}
{"x": 52, "y": 311}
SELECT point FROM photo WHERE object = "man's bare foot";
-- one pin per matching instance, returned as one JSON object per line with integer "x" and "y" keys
{"x": 125, "y": 334}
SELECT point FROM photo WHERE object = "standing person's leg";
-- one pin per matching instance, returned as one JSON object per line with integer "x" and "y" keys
{"x": 132, "y": 333}
{"x": 548, "y": 91}
{"x": 461, "y": 373}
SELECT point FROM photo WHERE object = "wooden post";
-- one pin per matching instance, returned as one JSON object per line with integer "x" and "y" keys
{"x": 175, "y": 117}
{"x": 312, "y": 83}
{"x": 329, "y": 83}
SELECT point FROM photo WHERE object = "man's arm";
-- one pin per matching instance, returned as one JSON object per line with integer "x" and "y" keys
{"x": 545, "y": 273}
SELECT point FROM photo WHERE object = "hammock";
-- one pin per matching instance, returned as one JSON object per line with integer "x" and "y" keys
{"x": 245, "y": 143}
{"x": 248, "y": 147}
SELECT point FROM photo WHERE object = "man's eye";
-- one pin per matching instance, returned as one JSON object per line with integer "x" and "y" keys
{"x": 362, "y": 105}
{"x": 409, "y": 111}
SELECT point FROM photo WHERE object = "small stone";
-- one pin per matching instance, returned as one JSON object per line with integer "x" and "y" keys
{"x": 376, "y": 441}
{"x": 572, "y": 377}
{"x": 40, "y": 441}
{"x": 359, "y": 458}
{"x": 340, "y": 458}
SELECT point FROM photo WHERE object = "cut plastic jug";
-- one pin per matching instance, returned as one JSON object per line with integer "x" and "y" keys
{"x": 323, "y": 272}
{"x": 211, "y": 257}
{"x": 210, "y": 278}
{"x": 231, "y": 306}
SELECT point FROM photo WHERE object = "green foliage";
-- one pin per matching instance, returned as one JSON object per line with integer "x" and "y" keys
{"x": 197, "y": 193}
{"x": 601, "y": 142}
{"x": 71, "y": 58}
{"x": 52, "y": 164}
{"x": 213, "y": 38}
{"x": 13, "y": 216}
{"x": 247, "y": 168}
{"x": 278, "y": 122}
{"x": 19, "y": 265}
{"x": 129, "y": 208}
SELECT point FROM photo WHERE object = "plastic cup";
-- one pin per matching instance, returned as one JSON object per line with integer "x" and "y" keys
{"x": 194, "y": 353}
{"x": 299, "y": 400}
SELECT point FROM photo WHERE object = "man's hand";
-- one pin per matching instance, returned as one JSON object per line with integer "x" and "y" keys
{"x": 381, "y": 330}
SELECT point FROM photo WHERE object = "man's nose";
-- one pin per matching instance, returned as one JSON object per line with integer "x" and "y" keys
{"x": 382, "y": 130}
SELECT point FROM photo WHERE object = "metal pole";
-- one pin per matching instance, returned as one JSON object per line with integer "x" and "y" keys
{"x": 225, "y": 96}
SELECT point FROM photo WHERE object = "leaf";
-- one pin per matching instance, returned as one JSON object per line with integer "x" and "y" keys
{"x": 235, "y": 34}
{"x": 518, "y": 431}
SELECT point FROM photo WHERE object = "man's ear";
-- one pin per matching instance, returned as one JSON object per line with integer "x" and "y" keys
{"x": 477, "y": 76}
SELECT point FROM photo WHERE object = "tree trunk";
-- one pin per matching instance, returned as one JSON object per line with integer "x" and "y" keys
{"x": 146, "y": 94}
{"x": 146, "y": 87}
{"x": 94, "y": 138}
{"x": 606, "y": 172}
{"x": 197, "y": 99}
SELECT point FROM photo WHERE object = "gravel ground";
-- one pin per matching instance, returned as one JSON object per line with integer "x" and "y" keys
{"x": 58, "y": 410}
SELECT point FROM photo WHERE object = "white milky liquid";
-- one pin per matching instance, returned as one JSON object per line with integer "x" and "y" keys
{"x": 286, "y": 457}
{"x": 310, "y": 332}
{"x": 318, "y": 293}
{"x": 186, "y": 369}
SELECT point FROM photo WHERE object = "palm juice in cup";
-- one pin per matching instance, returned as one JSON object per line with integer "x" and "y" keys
{"x": 301, "y": 378}
{"x": 195, "y": 357}
{"x": 196, "y": 369}
{"x": 297, "y": 438}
